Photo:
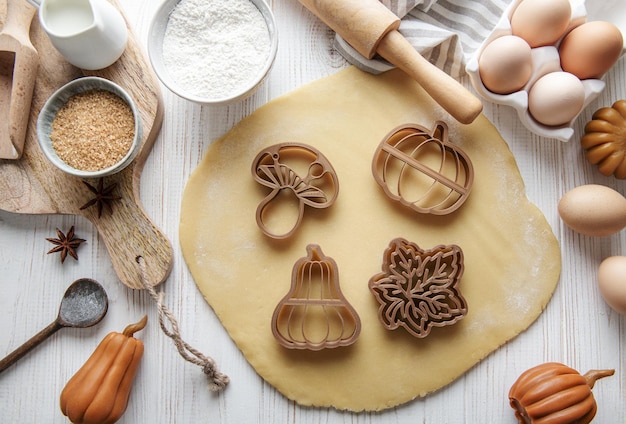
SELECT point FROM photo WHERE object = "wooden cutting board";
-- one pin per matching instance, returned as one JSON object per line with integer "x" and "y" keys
{"x": 32, "y": 185}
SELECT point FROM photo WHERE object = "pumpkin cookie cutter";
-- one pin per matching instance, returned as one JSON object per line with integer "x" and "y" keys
{"x": 418, "y": 289}
{"x": 315, "y": 314}
{"x": 402, "y": 167}
{"x": 317, "y": 187}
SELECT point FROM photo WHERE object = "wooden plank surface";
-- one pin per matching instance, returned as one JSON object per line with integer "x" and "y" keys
{"x": 577, "y": 327}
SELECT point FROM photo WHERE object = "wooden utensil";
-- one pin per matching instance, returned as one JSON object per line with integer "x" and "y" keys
{"x": 33, "y": 185}
{"x": 84, "y": 304}
{"x": 18, "y": 68}
{"x": 369, "y": 27}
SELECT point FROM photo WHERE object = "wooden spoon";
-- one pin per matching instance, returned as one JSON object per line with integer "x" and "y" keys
{"x": 84, "y": 304}
{"x": 18, "y": 69}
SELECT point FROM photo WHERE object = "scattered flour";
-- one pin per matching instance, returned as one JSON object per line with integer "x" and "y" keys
{"x": 215, "y": 48}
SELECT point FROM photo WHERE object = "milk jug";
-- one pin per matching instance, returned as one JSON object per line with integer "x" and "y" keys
{"x": 89, "y": 34}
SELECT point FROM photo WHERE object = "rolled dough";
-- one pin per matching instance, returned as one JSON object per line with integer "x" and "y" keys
{"x": 512, "y": 259}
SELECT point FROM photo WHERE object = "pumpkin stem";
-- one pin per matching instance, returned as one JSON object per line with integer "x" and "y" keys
{"x": 593, "y": 375}
{"x": 133, "y": 328}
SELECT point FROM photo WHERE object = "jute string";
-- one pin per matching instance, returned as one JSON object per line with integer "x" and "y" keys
{"x": 217, "y": 380}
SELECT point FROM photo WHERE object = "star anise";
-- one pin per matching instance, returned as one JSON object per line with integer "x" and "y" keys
{"x": 103, "y": 196}
{"x": 66, "y": 244}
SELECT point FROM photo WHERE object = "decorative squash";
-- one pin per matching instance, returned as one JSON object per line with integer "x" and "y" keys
{"x": 553, "y": 393}
{"x": 98, "y": 393}
{"x": 605, "y": 140}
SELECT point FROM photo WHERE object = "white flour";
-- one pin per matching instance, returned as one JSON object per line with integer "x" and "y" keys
{"x": 215, "y": 48}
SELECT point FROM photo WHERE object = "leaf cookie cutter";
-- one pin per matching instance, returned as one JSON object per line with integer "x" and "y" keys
{"x": 317, "y": 188}
{"x": 418, "y": 289}
{"x": 315, "y": 314}
{"x": 421, "y": 169}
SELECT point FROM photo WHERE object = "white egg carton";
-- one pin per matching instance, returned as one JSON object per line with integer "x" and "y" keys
{"x": 546, "y": 60}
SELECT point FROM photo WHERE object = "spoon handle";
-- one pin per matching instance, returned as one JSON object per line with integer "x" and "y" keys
{"x": 34, "y": 341}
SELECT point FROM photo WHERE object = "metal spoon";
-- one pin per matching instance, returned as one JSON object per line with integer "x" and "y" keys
{"x": 84, "y": 304}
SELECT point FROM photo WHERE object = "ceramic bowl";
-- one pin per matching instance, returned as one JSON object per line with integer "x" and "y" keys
{"x": 58, "y": 99}
{"x": 155, "y": 52}
{"x": 546, "y": 59}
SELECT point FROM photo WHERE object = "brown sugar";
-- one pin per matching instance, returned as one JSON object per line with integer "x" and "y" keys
{"x": 93, "y": 130}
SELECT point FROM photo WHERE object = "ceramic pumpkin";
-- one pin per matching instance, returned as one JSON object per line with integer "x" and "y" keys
{"x": 553, "y": 393}
{"x": 605, "y": 140}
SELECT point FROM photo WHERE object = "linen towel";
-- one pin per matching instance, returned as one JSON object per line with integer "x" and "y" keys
{"x": 445, "y": 32}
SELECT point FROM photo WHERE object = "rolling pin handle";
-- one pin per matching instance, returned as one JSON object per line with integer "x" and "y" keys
{"x": 445, "y": 90}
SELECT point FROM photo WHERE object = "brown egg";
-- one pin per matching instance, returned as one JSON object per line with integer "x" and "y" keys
{"x": 612, "y": 282}
{"x": 593, "y": 210}
{"x": 589, "y": 50}
{"x": 556, "y": 98}
{"x": 541, "y": 22}
{"x": 505, "y": 65}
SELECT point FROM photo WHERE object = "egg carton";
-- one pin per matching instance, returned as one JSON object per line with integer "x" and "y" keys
{"x": 545, "y": 60}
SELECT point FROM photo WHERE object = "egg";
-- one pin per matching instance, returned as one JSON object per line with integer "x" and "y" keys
{"x": 505, "y": 64}
{"x": 541, "y": 22}
{"x": 593, "y": 210}
{"x": 612, "y": 282}
{"x": 591, "y": 49}
{"x": 556, "y": 98}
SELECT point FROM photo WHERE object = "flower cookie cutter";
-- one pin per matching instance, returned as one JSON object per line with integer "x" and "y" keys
{"x": 418, "y": 289}
{"x": 315, "y": 314}
{"x": 315, "y": 185}
{"x": 421, "y": 169}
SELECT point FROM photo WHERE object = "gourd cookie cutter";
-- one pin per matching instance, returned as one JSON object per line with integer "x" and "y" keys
{"x": 317, "y": 189}
{"x": 401, "y": 166}
{"x": 418, "y": 289}
{"x": 315, "y": 314}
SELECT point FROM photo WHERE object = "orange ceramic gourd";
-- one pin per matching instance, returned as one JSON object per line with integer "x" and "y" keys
{"x": 553, "y": 393}
{"x": 605, "y": 140}
{"x": 98, "y": 393}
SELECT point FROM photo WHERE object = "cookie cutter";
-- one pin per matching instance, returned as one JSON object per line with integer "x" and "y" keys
{"x": 315, "y": 314}
{"x": 418, "y": 289}
{"x": 421, "y": 169}
{"x": 316, "y": 186}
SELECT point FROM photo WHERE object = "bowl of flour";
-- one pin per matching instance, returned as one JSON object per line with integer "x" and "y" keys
{"x": 213, "y": 52}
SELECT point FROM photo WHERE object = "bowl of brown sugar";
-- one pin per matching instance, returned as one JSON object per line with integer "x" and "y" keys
{"x": 90, "y": 128}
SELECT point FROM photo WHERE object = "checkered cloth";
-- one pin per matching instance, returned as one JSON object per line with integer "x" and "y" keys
{"x": 446, "y": 32}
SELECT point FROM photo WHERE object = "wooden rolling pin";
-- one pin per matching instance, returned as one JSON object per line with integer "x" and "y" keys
{"x": 370, "y": 28}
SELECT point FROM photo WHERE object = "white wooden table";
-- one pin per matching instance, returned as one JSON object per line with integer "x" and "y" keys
{"x": 577, "y": 328}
